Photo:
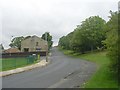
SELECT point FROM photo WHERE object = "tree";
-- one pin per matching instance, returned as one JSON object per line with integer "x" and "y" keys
{"x": 112, "y": 41}
{"x": 16, "y": 42}
{"x": 89, "y": 34}
{"x": 1, "y": 47}
{"x": 49, "y": 39}
{"x": 94, "y": 28}
{"x": 62, "y": 42}
{"x": 79, "y": 42}
{"x": 65, "y": 41}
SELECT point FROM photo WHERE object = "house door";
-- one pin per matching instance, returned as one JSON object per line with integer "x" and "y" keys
{"x": 26, "y": 49}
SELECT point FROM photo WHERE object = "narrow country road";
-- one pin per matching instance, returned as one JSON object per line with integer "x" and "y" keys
{"x": 62, "y": 72}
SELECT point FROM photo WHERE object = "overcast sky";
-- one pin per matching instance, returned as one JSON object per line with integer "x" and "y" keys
{"x": 59, "y": 17}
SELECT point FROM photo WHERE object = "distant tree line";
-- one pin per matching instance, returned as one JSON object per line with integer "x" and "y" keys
{"x": 16, "y": 41}
{"x": 86, "y": 37}
{"x": 95, "y": 33}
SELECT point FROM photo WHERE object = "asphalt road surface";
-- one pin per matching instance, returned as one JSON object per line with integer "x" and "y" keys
{"x": 62, "y": 72}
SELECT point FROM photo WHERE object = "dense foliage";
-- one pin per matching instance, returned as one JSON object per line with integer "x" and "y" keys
{"x": 1, "y": 47}
{"x": 48, "y": 37}
{"x": 94, "y": 33}
{"x": 65, "y": 41}
{"x": 86, "y": 37}
{"x": 16, "y": 42}
{"x": 112, "y": 41}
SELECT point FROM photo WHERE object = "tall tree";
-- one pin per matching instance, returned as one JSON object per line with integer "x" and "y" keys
{"x": 47, "y": 36}
{"x": 65, "y": 41}
{"x": 112, "y": 41}
{"x": 94, "y": 27}
{"x": 62, "y": 42}
{"x": 1, "y": 47}
{"x": 16, "y": 42}
{"x": 89, "y": 34}
{"x": 79, "y": 42}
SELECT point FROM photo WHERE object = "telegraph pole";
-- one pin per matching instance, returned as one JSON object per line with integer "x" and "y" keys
{"x": 46, "y": 47}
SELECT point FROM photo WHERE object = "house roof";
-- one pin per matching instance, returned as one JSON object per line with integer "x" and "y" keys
{"x": 34, "y": 36}
{"x": 12, "y": 50}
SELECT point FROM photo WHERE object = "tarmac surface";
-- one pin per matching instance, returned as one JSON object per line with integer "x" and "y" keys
{"x": 62, "y": 72}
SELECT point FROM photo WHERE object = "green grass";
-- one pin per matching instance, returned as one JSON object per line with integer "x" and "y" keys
{"x": 103, "y": 77}
{"x": 12, "y": 63}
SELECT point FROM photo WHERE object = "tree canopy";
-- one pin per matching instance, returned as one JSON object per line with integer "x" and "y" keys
{"x": 47, "y": 36}
{"x": 16, "y": 42}
{"x": 112, "y": 40}
{"x": 65, "y": 41}
{"x": 85, "y": 37}
{"x": 94, "y": 33}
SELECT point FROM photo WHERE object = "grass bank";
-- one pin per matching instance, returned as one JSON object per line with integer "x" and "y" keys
{"x": 103, "y": 77}
{"x": 12, "y": 63}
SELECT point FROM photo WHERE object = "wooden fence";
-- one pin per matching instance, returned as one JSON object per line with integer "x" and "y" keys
{"x": 22, "y": 54}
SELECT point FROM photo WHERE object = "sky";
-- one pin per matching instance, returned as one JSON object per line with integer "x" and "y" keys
{"x": 59, "y": 17}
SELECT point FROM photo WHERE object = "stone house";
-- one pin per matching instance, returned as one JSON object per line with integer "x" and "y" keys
{"x": 33, "y": 44}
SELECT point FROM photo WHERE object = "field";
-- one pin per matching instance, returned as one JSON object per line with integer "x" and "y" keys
{"x": 12, "y": 63}
{"x": 103, "y": 77}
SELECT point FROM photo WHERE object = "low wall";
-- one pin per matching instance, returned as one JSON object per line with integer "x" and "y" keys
{"x": 22, "y": 54}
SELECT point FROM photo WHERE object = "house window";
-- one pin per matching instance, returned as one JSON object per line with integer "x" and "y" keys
{"x": 36, "y": 43}
{"x": 38, "y": 49}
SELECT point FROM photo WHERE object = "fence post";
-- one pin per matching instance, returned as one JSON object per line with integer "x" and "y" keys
{"x": 38, "y": 57}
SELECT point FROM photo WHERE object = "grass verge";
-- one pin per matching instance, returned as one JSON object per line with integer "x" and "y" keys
{"x": 103, "y": 77}
{"x": 12, "y": 63}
